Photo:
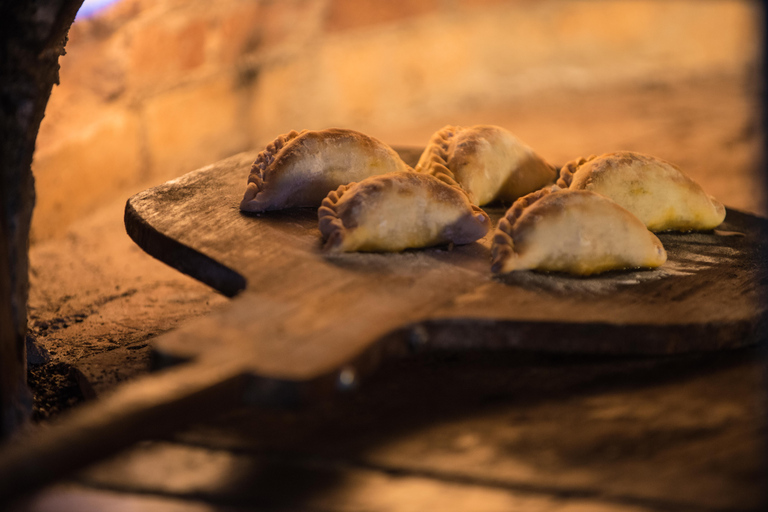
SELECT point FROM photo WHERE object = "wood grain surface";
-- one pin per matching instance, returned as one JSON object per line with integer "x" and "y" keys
{"x": 302, "y": 314}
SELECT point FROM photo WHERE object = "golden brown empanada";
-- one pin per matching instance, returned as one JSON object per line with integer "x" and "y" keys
{"x": 657, "y": 192}
{"x": 572, "y": 231}
{"x": 300, "y": 168}
{"x": 398, "y": 211}
{"x": 489, "y": 162}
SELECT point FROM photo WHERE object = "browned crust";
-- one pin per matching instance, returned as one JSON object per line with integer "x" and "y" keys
{"x": 329, "y": 221}
{"x": 334, "y": 221}
{"x": 287, "y": 148}
{"x": 434, "y": 161}
{"x": 503, "y": 245}
{"x": 308, "y": 139}
{"x": 266, "y": 157}
{"x": 569, "y": 169}
{"x": 475, "y": 208}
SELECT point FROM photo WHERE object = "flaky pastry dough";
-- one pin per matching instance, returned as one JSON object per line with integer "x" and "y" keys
{"x": 657, "y": 192}
{"x": 300, "y": 168}
{"x": 397, "y": 211}
{"x": 488, "y": 161}
{"x": 578, "y": 232}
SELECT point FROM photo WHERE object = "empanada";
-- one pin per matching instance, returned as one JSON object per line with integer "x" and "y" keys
{"x": 300, "y": 168}
{"x": 657, "y": 192}
{"x": 574, "y": 231}
{"x": 489, "y": 162}
{"x": 398, "y": 211}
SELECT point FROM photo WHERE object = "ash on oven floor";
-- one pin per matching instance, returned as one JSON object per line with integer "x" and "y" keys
{"x": 55, "y": 388}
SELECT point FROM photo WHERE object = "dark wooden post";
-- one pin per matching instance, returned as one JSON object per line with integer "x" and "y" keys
{"x": 32, "y": 37}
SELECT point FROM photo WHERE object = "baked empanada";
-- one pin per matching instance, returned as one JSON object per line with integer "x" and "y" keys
{"x": 397, "y": 211}
{"x": 572, "y": 231}
{"x": 657, "y": 192}
{"x": 488, "y": 161}
{"x": 300, "y": 168}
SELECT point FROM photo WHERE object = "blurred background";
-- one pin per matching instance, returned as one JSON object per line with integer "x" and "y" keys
{"x": 153, "y": 89}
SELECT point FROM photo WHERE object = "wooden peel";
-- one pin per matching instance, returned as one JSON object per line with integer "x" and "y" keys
{"x": 709, "y": 286}
{"x": 305, "y": 325}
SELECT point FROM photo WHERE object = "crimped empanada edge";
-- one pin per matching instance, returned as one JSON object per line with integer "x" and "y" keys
{"x": 267, "y": 156}
{"x": 565, "y": 178}
{"x": 434, "y": 160}
{"x": 259, "y": 173}
{"x": 330, "y": 224}
{"x": 719, "y": 211}
{"x": 503, "y": 245}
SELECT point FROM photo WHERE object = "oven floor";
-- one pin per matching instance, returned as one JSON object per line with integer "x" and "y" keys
{"x": 514, "y": 432}
{"x": 503, "y": 433}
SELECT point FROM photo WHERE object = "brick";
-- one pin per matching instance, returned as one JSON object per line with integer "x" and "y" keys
{"x": 193, "y": 126}
{"x": 255, "y": 26}
{"x": 351, "y": 14}
{"x": 80, "y": 173}
{"x": 276, "y": 106}
{"x": 105, "y": 22}
{"x": 240, "y": 31}
{"x": 166, "y": 49}
{"x": 485, "y": 3}
{"x": 124, "y": 10}
{"x": 360, "y": 81}
{"x": 98, "y": 68}
{"x": 92, "y": 75}
{"x": 289, "y": 21}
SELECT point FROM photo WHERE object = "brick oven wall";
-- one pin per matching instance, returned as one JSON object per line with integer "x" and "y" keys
{"x": 153, "y": 89}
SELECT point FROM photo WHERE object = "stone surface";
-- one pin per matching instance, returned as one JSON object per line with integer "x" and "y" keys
{"x": 402, "y": 78}
{"x": 96, "y": 299}
{"x": 289, "y": 26}
{"x": 240, "y": 31}
{"x": 193, "y": 126}
{"x": 357, "y": 14}
{"x": 103, "y": 160}
{"x": 76, "y": 498}
{"x": 167, "y": 48}
{"x": 306, "y": 485}
{"x": 486, "y": 3}
{"x": 36, "y": 353}
{"x": 361, "y": 489}
{"x": 492, "y": 432}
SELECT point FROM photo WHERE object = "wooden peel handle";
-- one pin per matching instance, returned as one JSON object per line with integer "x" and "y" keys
{"x": 148, "y": 408}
